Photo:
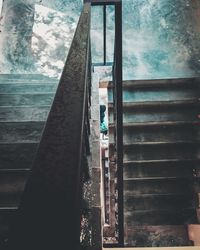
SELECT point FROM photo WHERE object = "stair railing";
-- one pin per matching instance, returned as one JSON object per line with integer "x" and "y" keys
{"x": 118, "y": 118}
{"x": 49, "y": 214}
{"x": 117, "y": 99}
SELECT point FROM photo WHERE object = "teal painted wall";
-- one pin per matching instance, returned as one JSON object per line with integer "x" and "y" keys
{"x": 161, "y": 38}
{"x": 36, "y": 35}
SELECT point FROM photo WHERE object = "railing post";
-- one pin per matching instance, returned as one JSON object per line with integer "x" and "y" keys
{"x": 119, "y": 117}
{"x": 104, "y": 35}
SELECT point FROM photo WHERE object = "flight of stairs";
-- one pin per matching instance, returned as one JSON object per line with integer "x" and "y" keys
{"x": 25, "y": 101}
{"x": 161, "y": 149}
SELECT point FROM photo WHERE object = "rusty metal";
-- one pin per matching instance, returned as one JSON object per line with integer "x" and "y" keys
{"x": 119, "y": 118}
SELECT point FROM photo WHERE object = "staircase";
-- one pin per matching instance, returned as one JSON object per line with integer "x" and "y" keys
{"x": 161, "y": 143}
{"x": 25, "y": 102}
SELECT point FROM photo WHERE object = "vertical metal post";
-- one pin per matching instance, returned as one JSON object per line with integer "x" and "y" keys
{"x": 119, "y": 117}
{"x": 104, "y": 34}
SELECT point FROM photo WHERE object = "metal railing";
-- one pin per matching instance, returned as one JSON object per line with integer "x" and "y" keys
{"x": 50, "y": 211}
{"x": 118, "y": 117}
{"x": 118, "y": 109}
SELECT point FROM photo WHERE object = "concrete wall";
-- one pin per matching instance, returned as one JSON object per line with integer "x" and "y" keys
{"x": 36, "y": 35}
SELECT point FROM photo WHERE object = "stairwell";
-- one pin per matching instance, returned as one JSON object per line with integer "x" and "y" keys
{"x": 25, "y": 101}
{"x": 161, "y": 147}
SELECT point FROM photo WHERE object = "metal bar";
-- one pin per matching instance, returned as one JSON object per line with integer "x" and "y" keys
{"x": 101, "y": 64}
{"x": 103, "y": 2}
{"x": 119, "y": 117}
{"x": 104, "y": 35}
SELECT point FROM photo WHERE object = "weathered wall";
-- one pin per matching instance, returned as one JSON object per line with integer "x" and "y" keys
{"x": 161, "y": 38}
{"x": 36, "y": 35}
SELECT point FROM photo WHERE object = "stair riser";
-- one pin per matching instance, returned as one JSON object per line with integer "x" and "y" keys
{"x": 157, "y": 115}
{"x": 24, "y": 113}
{"x": 156, "y": 236}
{"x": 5, "y": 220}
{"x": 160, "y": 218}
{"x": 12, "y": 183}
{"x": 27, "y": 88}
{"x": 12, "y": 200}
{"x": 159, "y": 152}
{"x": 164, "y": 186}
{"x": 154, "y": 134}
{"x": 21, "y": 132}
{"x": 15, "y": 156}
{"x": 160, "y": 169}
{"x": 157, "y": 94}
{"x": 170, "y": 203}
{"x": 26, "y": 99}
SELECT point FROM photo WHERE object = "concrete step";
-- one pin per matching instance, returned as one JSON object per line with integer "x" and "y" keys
{"x": 167, "y": 236}
{"x": 158, "y": 104}
{"x": 160, "y": 168}
{"x": 132, "y": 134}
{"x": 12, "y": 183}
{"x": 26, "y": 99}
{"x": 161, "y": 83}
{"x": 169, "y": 93}
{"x": 161, "y": 217}
{"x": 160, "y": 151}
{"x": 21, "y": 131}
{"x": 181, "y": 186}
{"x": 6, "y": 217}
{"x": 26, "y": 88}
{"x": 17, "y": 155}
{"x": 159, "y": 114}
{"x": 157, "y": 124}
{"x": 12, "y": 186}
{"x": 24, "y": 113}
{"x": 160, "y": 202}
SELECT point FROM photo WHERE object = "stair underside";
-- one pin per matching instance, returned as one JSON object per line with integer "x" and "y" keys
{"x": 25, "y": 101}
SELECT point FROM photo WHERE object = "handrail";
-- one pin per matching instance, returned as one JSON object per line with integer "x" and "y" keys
{"x": 49, "y": 213}
{"x": 118, "y": 117}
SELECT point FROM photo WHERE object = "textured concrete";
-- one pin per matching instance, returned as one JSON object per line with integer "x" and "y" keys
{"x": 36, "y": 35}
{"x": 97, "y": 233}
{"x": 19, "y": 137}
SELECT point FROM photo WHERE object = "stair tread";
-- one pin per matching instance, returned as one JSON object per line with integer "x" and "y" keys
{"x": 27, "y": 94}
{"x": 159, "y": 143}
{"x": 157, "y": 195}
{"x": 156, "y": 178}
{"x": 28, "y": 81}
{"x": 18, "y": 143}
{"x": 4, "y": 170}
{"x": 158, "y": 103}
{"x": 158, "y": 82}
{"x": 162, "y": 123}
{"x": 7, "y": 209}
{"x": 22, "y": 122}
{"x": 161, "y": 160}
{"x": 167, "y": 211}
{"x": 25, "y": 106}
